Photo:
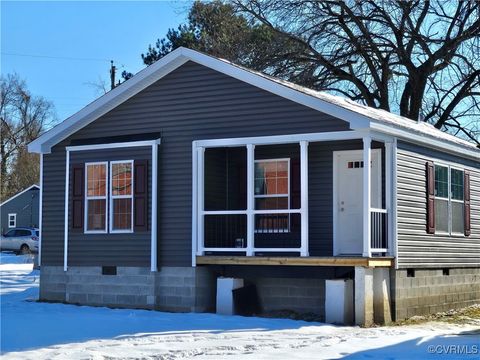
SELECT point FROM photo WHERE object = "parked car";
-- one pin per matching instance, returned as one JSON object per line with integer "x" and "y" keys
{"x": 21, "y": 240}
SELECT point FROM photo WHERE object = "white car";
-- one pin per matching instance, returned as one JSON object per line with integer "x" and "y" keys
{"x": 21, "y": 240}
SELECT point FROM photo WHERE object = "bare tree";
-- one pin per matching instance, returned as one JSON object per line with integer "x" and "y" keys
{"x": 23, "y": 117}
{"x": 420, "y": 59}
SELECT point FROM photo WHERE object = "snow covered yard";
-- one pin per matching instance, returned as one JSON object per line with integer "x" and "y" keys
{"x": 32, "y": 330}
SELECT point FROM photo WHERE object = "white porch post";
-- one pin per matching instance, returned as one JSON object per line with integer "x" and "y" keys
{"x": 304, "y": 197}
{"x": 200, "y": 200}
{"x": 388, "y": 194}
{"x": 367, "y": 188}
{"x": 250, "y": 199}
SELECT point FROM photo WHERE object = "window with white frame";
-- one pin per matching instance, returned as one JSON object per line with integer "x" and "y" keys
{"x": 121, "y": 196}
{"x": 12, "y": 220}
{"x": 272, "y": 192}
{"x": 96, "y": 197}
{"x": 449, "y": 199}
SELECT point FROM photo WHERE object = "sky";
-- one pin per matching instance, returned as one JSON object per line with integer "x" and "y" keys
{"x": 62, "y": 48}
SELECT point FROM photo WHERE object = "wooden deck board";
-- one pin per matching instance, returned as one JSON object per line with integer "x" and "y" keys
{"x": 295, "y": 261}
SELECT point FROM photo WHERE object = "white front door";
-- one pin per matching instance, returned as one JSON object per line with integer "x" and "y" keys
{"x": 348, "y": 199}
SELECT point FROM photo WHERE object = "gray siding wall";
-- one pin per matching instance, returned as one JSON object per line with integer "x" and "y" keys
{"x": 416, "y": 248}
{"x": 191, "y": 103}
{"x": 25, "y": 206}
{"x": 110, "y": 249}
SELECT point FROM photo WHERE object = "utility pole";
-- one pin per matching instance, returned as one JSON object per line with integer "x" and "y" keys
{"x": 113, "y": 68}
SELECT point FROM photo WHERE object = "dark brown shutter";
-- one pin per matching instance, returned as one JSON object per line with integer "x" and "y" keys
{"x": 78, "y": 194}
{"x": 430, "y": 172}
{"x": 140, "y": 195}
{"x": 466, "y": 190}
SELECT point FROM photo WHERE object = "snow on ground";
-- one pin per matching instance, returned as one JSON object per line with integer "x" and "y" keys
{"x": 32, "y": 330}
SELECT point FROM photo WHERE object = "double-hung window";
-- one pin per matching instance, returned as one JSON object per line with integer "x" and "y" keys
{"x": 449, "y": 200}
{"x": 121, "y": 196}
{"x": 109, "y": 197}
{"x": 96, "y": 197}
{"x": 272, "y": 192}
{"x": 12, "y": 220}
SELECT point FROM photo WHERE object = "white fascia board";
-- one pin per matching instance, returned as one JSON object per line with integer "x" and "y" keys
{"x": 283, "y": 139}
{"x": 107, "y": 102}
{"x": 113, "y": 145}
{"x": 427, "y": 141}
{"x": 20, "y": 193}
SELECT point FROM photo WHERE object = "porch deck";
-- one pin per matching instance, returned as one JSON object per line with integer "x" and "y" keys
{"x": 296, "y": 261}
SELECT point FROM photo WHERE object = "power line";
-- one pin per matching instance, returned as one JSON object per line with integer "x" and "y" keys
{"x": 54, "y": 57}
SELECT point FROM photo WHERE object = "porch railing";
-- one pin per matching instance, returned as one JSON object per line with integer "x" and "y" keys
{"x": 379, "y": 230}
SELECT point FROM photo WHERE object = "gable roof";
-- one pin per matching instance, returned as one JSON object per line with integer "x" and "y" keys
{"x": 20, "y": 193}
{"x": 357, "y": 115}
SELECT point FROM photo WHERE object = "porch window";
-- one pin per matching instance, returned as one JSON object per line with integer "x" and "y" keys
{"x": 449, "y": 200}
{"x": 121, "y": 196}
{"x": 272, "y": 192}
{"x": 96, "y": 197}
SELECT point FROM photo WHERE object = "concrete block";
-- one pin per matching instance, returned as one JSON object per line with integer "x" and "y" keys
{"x": 363, "y": 296}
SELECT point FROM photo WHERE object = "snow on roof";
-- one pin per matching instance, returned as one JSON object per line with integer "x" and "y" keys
{"x": 378, "y": 115}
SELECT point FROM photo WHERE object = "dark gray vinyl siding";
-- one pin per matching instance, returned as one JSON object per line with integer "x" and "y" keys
{"x": 110, "y": 249}
{"x": 25, "y": 206}
{"x": 53, "y": 213}
{"x": 191, "y": 103}
{"x": 416, "y": 248}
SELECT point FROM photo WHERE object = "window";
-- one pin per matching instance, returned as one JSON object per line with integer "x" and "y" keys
{"x": 272, "y": 192}
{"x": 121, "y": 196}
{"x": 12, "y": 220}
{"x": 96, "y": 197}
{"x": 449, "y": 201}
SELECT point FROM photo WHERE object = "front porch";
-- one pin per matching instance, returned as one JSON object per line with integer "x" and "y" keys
{"x": 303, "y": 199}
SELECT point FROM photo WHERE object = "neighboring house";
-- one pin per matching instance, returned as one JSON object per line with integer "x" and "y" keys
{"x": 197, "y": 168}
{"x": 21, "y": 210}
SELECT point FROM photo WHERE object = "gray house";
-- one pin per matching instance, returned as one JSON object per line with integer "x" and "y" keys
{"x": 21, "y": 210}
{"x": 197, "y": 170}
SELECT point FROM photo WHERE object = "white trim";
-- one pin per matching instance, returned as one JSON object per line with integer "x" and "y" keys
{"x": 395, "y": 202}
{"x": 304, "y": 219}
{"x": 388, "y": 194}
{"x": 153, "y": 231}
{"x": 40, "y": 213}
{"x": 120, "y": 145}
{"x": 194, "y": 204}
{"x": 200, "y": 153}
{"x": 283, "y": 139}
{"x": 20, "y": 193}
{"x": 67, "y": 188}
{"x": 96, "y": 197}
{"x": 14, "y": 220}
{"x": 367, "y": 190}
{"x": 250, "y": 199}
{"x": 112, "y": 197}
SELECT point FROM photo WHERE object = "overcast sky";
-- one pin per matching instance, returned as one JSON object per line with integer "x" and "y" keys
{"x": 86, "y": 36}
